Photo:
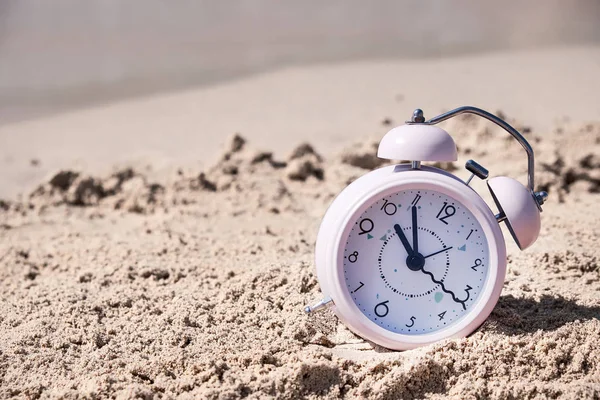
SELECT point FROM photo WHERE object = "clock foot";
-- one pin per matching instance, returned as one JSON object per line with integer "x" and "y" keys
{"x": 318, "y": 306}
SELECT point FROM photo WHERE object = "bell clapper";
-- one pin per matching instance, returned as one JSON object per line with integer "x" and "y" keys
{"x": 476, "y": 169}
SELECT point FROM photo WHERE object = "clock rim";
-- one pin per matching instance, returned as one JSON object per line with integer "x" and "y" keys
{"x": 402, "y": 178}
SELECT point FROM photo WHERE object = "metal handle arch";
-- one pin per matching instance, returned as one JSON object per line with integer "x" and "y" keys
{"x": 538, "y": 197}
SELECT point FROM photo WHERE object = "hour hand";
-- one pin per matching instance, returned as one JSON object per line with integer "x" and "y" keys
{"x": 402, "y": 237}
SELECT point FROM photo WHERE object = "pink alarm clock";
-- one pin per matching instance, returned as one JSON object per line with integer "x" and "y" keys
{"x": 408, "y": 254}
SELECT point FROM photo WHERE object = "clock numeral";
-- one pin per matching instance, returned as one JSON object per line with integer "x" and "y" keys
{"x": 356, "y": 290}
{"x": 448, "y": 210}
{"x": 467, "y": 289}
{"x": 378, "y": 309}
{"x": 353, "y": 257}
{"x": 412, "y": 322}
{"x": 366, "y": 225}
{"x": 470, "y": 233}
{"x": 478, "y": 263}
{"x": 416, "y": 200}
{"x": 389, "y": 208}
{"x": 441, "y": 315}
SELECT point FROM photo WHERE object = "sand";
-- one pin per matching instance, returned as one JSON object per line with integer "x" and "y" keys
{"x": 124, "y": 282}
{"x": 121, "y": 286}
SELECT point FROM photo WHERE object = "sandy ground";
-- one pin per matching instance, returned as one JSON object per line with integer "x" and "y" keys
{"x": 330, "y": 106}
{"x": 191, "y": 283}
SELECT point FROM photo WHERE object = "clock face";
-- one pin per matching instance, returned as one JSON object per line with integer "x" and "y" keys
{"x": 415, "y": 261}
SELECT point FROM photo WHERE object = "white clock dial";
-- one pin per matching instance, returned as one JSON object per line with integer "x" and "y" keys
{"x": 415, "y": 284}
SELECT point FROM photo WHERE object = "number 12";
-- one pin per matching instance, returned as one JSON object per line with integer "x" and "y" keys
{"x": 448, "y": 210}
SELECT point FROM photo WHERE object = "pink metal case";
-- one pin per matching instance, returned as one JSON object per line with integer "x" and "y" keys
{"x": 352, "y": 201}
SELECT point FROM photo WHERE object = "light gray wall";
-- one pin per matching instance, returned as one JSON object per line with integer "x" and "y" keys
{"x": 68, "y": 53}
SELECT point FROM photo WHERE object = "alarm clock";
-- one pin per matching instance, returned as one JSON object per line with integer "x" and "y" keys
{"x": 409, "y": 254}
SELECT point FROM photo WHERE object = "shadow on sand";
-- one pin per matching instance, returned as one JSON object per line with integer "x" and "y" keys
{"x": 513, "y": 316}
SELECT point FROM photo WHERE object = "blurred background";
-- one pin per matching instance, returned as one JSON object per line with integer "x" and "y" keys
{"x": 61, "y": 56}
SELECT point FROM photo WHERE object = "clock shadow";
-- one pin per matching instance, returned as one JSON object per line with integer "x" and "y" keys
{"x": 513, "y": 315}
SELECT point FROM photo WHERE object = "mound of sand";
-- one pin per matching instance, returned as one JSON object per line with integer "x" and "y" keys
{"x": 119, "y": 286}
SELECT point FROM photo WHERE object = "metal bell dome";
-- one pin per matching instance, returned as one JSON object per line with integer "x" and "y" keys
{"x": 519, "y": 207}
{"x": 417, "y": 141}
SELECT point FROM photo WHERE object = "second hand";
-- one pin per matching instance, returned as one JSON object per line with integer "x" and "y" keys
{"x": 438, "y": 252}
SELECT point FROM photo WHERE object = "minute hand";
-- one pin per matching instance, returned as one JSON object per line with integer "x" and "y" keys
{"x": 415, "y": 228}
{"x": 402, "y": 237}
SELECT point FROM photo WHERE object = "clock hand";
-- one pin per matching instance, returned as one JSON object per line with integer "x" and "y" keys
{"x": 415, "y": 229}
{"x": 438, "y": 252}
{"x": 402, "y": 237}
{"x": 456, "y": 299}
